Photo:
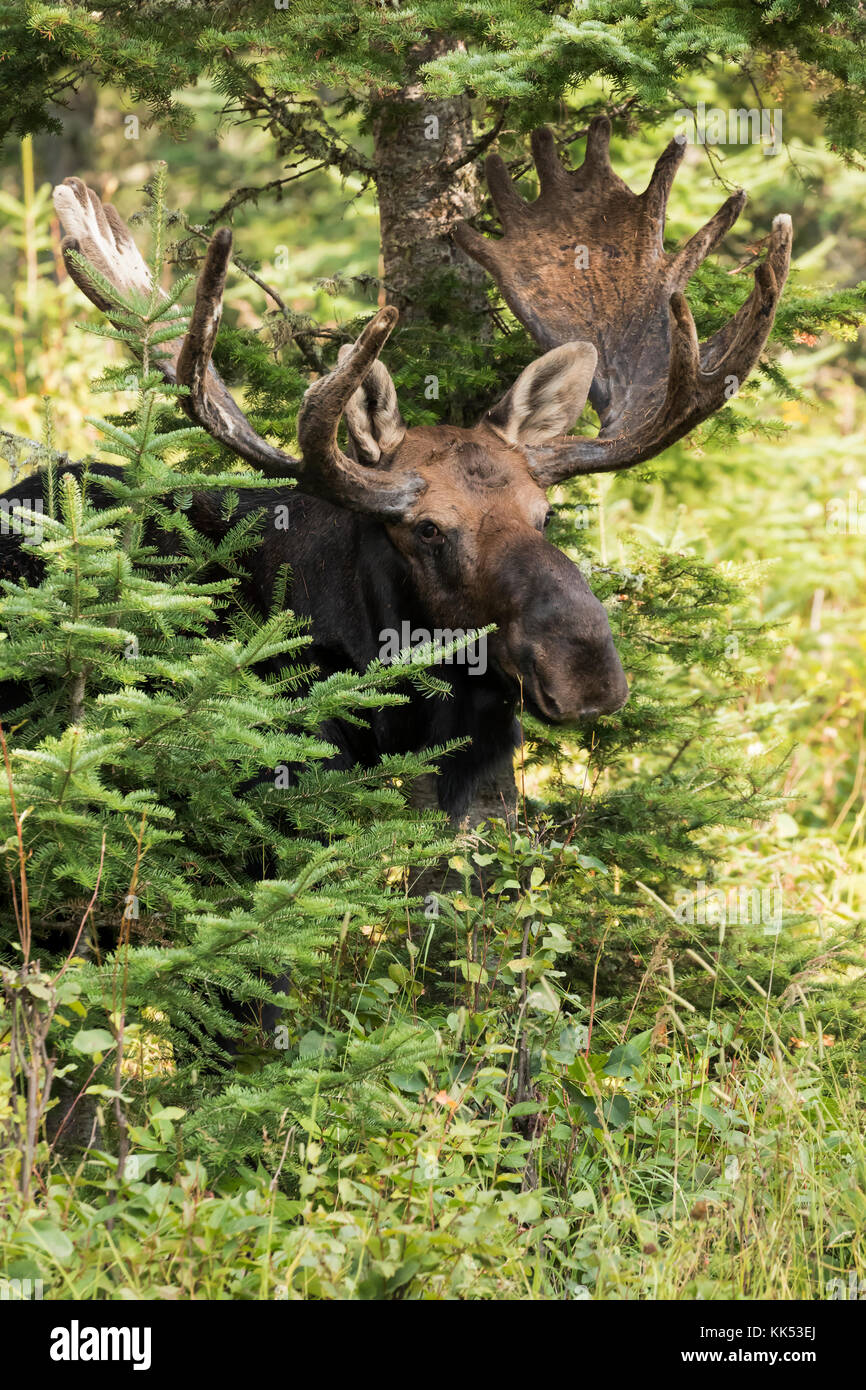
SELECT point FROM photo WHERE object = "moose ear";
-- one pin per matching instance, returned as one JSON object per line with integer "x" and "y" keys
{"x": 547, "y": 398}
{"x": 372, "y": 415}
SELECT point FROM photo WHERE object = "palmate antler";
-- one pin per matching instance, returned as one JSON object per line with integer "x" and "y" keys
{"x": 586, "y": 261}
{"x": 98, "y": 233}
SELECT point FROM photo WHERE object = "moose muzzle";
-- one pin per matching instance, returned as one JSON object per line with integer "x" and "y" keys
{"x": 554, "y": 638}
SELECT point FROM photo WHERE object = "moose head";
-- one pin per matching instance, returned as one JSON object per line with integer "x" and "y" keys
{"x": 584, "y": 268}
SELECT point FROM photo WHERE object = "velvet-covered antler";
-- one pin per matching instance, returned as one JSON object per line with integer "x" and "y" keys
{"x": 98, "y": 233}
{"x": 586, "y": 261}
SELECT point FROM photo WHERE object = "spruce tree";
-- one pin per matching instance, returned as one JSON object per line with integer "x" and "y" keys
{"x": 152, "y": 749}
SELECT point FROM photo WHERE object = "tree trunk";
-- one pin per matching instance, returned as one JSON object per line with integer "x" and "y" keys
{"x": 418, "y": 140}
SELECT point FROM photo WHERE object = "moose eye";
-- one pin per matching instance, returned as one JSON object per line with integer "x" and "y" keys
{"x": 547, "y": 520}
{"x": 428, "y": 531}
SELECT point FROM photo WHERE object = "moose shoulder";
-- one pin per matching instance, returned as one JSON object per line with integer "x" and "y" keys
{"x": 439, "y": 529}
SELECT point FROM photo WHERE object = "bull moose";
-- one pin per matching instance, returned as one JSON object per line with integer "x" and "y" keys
{"x": 443, "y": 527}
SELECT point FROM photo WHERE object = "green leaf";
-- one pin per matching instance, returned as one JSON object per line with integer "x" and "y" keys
{"x": 525, "y": 1206}
{"x": 586, "y": 1106}
{"x": 518, "y": 966}
{"x": 623, "y": 1060}
{"x": 38, "y": 990}
{"x": 411, "y": 1082}
{"x": 93, "y": 1041}
{"x": 49, "y": 1237}
{"x": 617, "y": 1112}
{"x": 526, "y": 1107}
{"x": 471, "y": 970}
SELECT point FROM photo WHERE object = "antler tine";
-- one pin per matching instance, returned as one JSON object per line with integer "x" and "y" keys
{"x": 702, "y": 376}
{"x": 553, "y": 177}
{"x": 506, "y": 199}
{"x": 750, "y": 319}
{"x": 480, "y": 248}
{"x": 209, "y": 402}
{"x": 704, "y": 242}
{"x": 319, "y": 419}
{"x": 586, "y": 262}
{"x": 596, "y": 157}
{"x": 655, "y": 195}
{"x": 195, "y": 355}
{"x": 685, "y": 365}
{"x": 99, "y": 234}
